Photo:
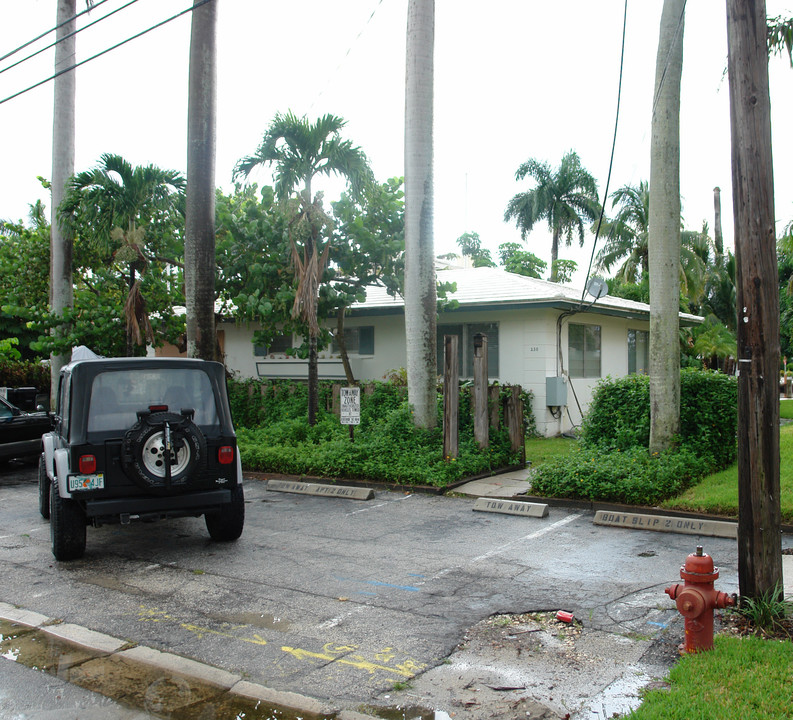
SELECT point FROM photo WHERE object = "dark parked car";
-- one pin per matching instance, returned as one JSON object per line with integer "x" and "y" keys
{"x": 140, "y": 439}
{"x": 20, "y": 431}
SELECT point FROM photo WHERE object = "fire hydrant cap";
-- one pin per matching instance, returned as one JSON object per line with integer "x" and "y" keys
{"x": 699, "y": 568}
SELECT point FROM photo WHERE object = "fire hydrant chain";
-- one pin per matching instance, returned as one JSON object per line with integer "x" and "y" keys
{"x": 696, "y": 599}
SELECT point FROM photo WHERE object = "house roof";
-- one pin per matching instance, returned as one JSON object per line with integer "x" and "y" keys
{"x": 491, "y": 288}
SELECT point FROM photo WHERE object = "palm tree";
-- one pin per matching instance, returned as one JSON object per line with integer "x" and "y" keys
{"x": 111, "y": 206}
{"x": 626, "y": 234}
{"x": 62, "y": 290}
{"x": 199, "y": 247}
{"x": 420, "y": 287}
{"x": 664, "y": 231}
{"x": 299, "y": 150}
{"x": 565, "y": 198}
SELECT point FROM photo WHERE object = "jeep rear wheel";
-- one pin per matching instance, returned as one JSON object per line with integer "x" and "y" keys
{"x": 44, "y": 489}
{"x": 163, "y": 449}
{"x": 67, "y": 527}
{"x": 226, "y": 524}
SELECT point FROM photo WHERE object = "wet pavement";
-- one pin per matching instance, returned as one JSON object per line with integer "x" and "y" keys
{"x": 368, "y": 604}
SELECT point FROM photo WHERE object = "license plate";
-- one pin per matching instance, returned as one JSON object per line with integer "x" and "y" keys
{"x": 86, "y": 482}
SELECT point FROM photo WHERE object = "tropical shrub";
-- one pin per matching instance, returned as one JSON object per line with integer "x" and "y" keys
{"x": 274, "y": 436}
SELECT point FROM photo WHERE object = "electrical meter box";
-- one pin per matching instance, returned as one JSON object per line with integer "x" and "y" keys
{"x": 555, "y": 391}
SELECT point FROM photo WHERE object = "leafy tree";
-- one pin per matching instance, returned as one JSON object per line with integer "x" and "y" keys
{"x": 368, "y": 249}
{"x": 299, "y": 150}
{"x": 564, "y": 269}
{"x": 565, "y": 198}
{"x": 626, "y": 233}
{"x": 780, "y": 36}
{"x": 471, "y": 246}
{"x": 128, "y": 214}
{"x": 519, "y": 261}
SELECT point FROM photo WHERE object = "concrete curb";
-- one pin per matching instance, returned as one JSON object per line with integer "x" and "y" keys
{"x": 201, "y": 673}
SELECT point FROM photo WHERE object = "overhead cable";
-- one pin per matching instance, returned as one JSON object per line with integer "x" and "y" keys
{"x": 104, "y": 52}
{"x": 90, "y": 7}
{"x": 66, "y": 37}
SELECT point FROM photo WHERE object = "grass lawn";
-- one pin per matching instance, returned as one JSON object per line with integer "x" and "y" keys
{"x": 718, "y": 494}
{"x": 786, "y": 409}
{"x": 746, "y": 678}
{"x": 539, "y": 450}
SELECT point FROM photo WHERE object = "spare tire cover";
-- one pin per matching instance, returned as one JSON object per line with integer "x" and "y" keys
{"x": 144, "y": 451}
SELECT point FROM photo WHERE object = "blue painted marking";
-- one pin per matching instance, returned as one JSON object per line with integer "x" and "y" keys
{"x": 660, "y": 625}
{"x": 377, "y": 583}
{"x": 415, "y": 575}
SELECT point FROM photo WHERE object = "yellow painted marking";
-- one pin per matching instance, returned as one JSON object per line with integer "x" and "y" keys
{"x": 406, "y": 669}
{"x": 151, "y": 615}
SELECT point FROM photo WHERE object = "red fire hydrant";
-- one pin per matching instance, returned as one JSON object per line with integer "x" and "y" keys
{"x": 696, "y": 600}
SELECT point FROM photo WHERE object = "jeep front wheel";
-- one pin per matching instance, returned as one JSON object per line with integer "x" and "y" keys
{"x": 226, "y": 524}
{"x": 67, "y": 527}
{"x": 44, "y": 489}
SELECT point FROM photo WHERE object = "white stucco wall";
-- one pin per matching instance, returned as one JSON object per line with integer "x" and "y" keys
{"x": 527, "y": 354}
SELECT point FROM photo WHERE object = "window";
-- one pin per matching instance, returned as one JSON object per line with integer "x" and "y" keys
{"x": 358, "y": 340}
{"x": 465, "y": 347}
{"x": 280, "y": 344}
{"x": 638, "y": 351}
{"x": 583, "y": 344}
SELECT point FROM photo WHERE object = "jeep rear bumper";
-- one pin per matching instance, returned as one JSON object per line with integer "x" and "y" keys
{"x": 124, "y": 509}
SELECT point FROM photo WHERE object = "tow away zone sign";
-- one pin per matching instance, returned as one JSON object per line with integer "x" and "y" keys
{"x": 350, "y": 406}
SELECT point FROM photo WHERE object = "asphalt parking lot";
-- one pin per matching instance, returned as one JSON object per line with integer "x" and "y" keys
{"x": 346, "y": 600}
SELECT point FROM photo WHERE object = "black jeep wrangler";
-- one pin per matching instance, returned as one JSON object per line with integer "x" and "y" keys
{"x": 140, "y": 439}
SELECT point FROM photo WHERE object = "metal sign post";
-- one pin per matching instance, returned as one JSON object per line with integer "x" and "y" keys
{"x": 350, "y": 412}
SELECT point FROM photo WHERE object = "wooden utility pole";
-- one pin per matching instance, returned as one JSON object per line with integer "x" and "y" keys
{"x": 451, "y": 396}
{"x": 481, "y": 426}
{"x": 759, "y": 541}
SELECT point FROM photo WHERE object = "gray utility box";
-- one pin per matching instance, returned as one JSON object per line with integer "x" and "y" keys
{"x": 555, "y": 391}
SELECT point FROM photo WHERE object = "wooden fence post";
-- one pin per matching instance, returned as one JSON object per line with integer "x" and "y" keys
{"x": 451, "y": 396}
{"x": 336, "y": 399}
{"x": 514, "y": 420}
{"x": 481, "y": 430}
{"x": 494, "y": 394}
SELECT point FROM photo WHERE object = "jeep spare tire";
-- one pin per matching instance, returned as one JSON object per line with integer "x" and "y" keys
{"x": 154, "y": 440}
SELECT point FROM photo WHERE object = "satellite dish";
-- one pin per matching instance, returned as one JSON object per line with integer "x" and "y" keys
{"x": 597, "y": 287}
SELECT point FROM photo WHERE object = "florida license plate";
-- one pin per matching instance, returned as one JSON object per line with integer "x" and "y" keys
{"x": 86, "y": 482}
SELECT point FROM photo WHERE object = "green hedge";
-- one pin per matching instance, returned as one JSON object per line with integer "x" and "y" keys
{"x": 619, "y": 414}
{"x": 23, "y": 373}
{"x": 612, "y": 462}
{"x": 274, "y": 436}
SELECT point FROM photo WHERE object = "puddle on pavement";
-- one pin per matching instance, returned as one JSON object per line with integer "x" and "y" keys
{"x": 135, "y": 685}
{"x": 259, "y": 620}
{"x": 405, "y": 712}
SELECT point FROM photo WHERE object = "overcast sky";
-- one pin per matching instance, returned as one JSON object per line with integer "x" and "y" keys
{"x": 514, "y": 79}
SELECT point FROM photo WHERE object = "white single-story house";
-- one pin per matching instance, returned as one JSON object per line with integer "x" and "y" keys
{"x": 554, "y": 340}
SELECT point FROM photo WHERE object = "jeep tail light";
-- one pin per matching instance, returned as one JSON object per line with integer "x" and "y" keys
{"x": 158, "y": 408}
{"x": 226, "y": 455}
{"x": 87, "y": 464}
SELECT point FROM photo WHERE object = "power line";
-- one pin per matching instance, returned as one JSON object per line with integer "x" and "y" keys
{"x": 66, "y": 37}
{"x": 104, "y": 52}
{"x": 90, "y": 7}
{"x": 613, "y": 146}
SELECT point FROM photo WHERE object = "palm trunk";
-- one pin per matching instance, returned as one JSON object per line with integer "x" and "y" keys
{"x": 555, "y": 254}
{"x": 62, "y": 291}
{"x": 420, "y": 290}
{"x": 664, "y": 231}
{"x": 200, "y": 208}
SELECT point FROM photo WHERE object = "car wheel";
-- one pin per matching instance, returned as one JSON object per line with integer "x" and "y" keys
{"x": 144, "y": 454}
{"x": 67, "y": 527}
{"x": 44, "y": 489}
{"x": 226, "y": 524}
